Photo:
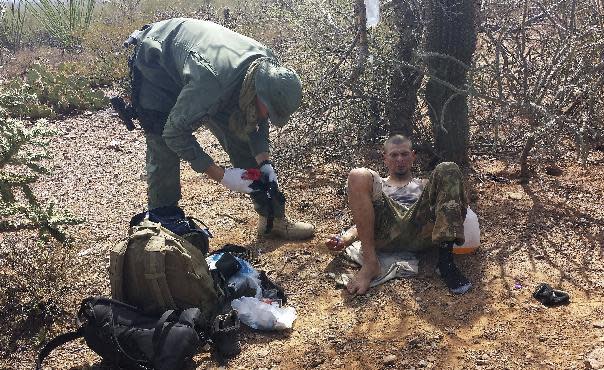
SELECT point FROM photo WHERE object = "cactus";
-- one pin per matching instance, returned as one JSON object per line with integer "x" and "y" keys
{"x": 22, "y": 154}
{"x": 46, "y": 93}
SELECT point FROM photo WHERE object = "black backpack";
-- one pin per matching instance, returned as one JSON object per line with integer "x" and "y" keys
{"x": 126, "y": 337}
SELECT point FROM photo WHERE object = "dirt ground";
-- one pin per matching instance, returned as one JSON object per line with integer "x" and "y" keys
{"x": 549, "y": 230}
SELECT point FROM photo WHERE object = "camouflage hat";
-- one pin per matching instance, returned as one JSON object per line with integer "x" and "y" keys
{"x": 280, "y": 89}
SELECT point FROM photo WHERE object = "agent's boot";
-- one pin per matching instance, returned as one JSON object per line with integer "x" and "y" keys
{"x": 448, "y": 271}
{"x": 283, "y": 228}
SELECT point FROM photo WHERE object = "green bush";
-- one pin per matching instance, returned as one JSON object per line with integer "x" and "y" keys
{"x": 11, "y": 25}
{"x": 17, "y": 100}
{"x": 66, "y": 21}
{"x": 44, "y": 93}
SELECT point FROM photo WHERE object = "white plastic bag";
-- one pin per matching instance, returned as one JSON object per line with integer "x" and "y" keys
{"x": 263, "y": 316}
{"x": 372, "y": 8}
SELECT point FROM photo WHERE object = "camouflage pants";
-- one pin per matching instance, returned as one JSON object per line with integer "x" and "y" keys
{"x": 437, "y": 216}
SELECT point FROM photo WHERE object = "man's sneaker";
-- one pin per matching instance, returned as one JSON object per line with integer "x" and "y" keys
{"x": 285, "y": 229}
{"x": 453, "y": 278}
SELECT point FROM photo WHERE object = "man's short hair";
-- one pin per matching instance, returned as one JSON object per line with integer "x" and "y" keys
{"x": 397, "y": 140}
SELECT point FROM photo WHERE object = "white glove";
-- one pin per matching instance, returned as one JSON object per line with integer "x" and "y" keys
{"x": 268, "y": 170}
{"x": 233, "y": 179}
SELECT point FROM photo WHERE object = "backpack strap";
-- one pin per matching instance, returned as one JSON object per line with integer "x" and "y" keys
{"x": 205, "y": 230}
{"x": 56, "y": 342}
{"x": 116, "y": 269}
{"x": 155, "y": 271}
{"x": 159, "y": 333}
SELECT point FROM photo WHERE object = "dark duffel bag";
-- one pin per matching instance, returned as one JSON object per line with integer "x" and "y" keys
{"x": 127, "y": 338}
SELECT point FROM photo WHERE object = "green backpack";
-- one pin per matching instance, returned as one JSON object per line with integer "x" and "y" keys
{"x": 157, "y": 270}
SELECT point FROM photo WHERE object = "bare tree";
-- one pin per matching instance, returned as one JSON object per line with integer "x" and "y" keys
{"x": 404, "y": 81}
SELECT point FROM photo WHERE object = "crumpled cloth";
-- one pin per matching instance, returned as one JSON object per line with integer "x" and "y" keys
{"x": 398, "y": 264}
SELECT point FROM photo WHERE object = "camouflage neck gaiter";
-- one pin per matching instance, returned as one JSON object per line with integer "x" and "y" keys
{"x": 245, "y": 120}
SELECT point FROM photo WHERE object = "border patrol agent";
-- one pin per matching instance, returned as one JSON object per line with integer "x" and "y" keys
{"x": 187, "y": 73}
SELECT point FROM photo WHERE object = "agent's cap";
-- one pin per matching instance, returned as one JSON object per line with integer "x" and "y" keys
{"x": 280, "y": 89}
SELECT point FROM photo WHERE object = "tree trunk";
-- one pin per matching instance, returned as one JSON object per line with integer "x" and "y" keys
{"x": 404, "y": 82}
{"x": 450, "y": 32}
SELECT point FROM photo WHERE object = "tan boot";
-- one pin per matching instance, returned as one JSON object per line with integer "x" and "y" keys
{"x": 286, "y": 229}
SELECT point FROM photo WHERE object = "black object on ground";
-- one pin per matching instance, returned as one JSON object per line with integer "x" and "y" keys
{"x": 549, "y": 296}
{"x": 225, "y": 336}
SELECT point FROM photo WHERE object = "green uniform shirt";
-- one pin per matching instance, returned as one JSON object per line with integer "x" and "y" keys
{"x": 194, "y": 69}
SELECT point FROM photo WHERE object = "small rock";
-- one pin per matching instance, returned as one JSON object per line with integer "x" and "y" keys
{"x": 422, "y": 363}
{"x": 115, "y": 145}
{"x": 598, "y": 324}
{"x": 483, "y": 359}
{"x": 553, "y": 170}
{"x": 337, "y": 362}
{"x": 316, "y": 362}
{"x": 389, "y": 359}
{"x": 595, "y": 359}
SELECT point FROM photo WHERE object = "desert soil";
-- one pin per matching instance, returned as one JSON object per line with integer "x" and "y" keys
{"x": 549, "y": 230}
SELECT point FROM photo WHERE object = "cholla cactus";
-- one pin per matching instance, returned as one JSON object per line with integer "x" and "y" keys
{"x": 22, "y": 152}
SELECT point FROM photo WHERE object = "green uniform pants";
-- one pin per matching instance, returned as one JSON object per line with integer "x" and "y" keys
{"x": 436, "y": 217}
{"x": 163, "y": 165}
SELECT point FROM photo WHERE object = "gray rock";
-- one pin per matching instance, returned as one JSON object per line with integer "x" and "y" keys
{"x": 389, "y": 359}
{"x": 595, "y": 359}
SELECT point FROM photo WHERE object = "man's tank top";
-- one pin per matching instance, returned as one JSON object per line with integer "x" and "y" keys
{"x": 404, "y": 195}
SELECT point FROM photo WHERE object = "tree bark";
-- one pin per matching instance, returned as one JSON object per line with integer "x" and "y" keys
{"x": 404, "y": 82}
{"x": 451, "y": 31}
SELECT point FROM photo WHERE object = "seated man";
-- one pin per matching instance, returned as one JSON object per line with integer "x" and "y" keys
{"x": 401, "y": 211}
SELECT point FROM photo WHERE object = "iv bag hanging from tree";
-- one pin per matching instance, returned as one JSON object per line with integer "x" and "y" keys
{"x": 373, "y": 12}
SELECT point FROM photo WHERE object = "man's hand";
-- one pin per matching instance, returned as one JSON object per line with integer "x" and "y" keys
{"x": 237, "y": 179}
{"x": 336, "y": 243}
{"x": 339, "y": 242}
{"x": 266, "y": 167}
